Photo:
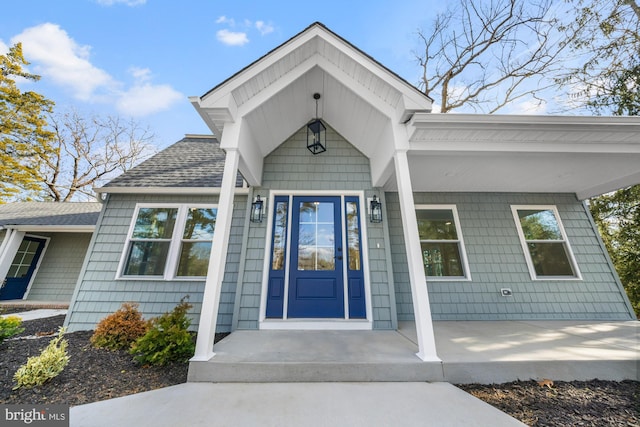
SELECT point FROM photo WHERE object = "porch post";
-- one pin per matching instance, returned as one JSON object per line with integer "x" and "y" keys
{"x": 217, "y": 260}
{"x": 10, "y": 248}
{"x": 419, "y": 294}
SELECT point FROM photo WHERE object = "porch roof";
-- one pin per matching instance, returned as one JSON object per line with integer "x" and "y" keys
{"x": 587, "y": 156}
{"x": 50, "y": 216}
{"x": 258, "y": 108}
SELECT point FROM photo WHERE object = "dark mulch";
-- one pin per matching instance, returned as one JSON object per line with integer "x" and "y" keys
{"x": 91, "y": 375}
{"x": 575, "y": 403}
{"x": 95, "y": 374}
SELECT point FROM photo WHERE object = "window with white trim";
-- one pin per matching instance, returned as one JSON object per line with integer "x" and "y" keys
{"x": 169, "y": 241}
{"x": 545, "y": 243}
{"x": 443, "y": 252}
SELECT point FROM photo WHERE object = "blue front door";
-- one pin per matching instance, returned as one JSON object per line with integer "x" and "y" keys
{"x": 22, "y": 268}
{"x": 316, "y": 283}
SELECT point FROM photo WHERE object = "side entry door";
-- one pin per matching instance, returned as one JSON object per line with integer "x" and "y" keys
{"x": 22, "y": 268}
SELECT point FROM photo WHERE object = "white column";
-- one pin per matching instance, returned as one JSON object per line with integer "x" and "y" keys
{"x": 419, "y": 294}
{"x": 217, "y": 260}
{"x": 9, "y": 249}
{"x": 5, "y": 240}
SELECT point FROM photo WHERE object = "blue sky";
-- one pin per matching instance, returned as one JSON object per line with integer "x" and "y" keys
{"x": 144, "y": 58}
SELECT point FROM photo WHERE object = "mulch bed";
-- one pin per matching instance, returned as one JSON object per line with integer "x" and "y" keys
{"x": 96, "y": 374}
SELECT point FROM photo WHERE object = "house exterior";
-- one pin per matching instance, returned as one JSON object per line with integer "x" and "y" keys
{"x": 482, "y": 216}
{"x": 42, "y": 246}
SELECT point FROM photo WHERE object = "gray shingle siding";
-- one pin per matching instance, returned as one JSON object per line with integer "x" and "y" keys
{"x": 60, "y": 266}
{"x": 99, "y": 293}
{"x": 496, "y": 260}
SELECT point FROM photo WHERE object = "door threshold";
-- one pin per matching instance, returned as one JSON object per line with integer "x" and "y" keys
{"x": 316, "y": 324}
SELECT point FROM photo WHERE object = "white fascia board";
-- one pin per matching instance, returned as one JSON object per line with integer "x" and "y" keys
{"x": 195, "y": 101}
{"x": 439, "y": 120}
{"x": 194, "y": 191}
{"x": 617, "y": 133}
{"x": 55, "y": 228}
{"x": 414, "y": 99}
{"x": 225, "y": 88}
{"x": 607, "y": 187}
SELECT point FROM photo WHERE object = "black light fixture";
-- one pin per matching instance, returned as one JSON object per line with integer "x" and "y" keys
{"x": 316, "y": 132}
{"x": 256, "y": 210}
{"x": 375, "y": 210}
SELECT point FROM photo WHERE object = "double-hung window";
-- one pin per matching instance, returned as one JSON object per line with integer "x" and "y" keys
{"x": 545, "y": 243}
{"x": 169, "y": 241}
{"x": 443, "y": 252}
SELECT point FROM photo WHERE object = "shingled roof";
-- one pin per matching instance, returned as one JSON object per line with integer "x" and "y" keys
{"x": 194, "y": 161}
{"x": 54, "y": 214}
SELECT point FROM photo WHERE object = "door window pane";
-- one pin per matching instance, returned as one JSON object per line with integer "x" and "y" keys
{"x": 23, "y": 259}
{"x": 353, "y": 235}
{"x": 316, "y": 237}
{"x": 279, "y": 236}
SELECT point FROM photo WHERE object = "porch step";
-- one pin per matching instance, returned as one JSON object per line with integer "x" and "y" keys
{"x": 482, "y": 352}
{"x": 313, "y": 372}
{"x": 315, "y": 356}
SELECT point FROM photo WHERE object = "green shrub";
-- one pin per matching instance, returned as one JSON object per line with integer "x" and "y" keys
{"x": 40, "y": 369}
{"x": 167, "y": 339}
{"x": 120, "y": 329}
{"x": 10, "y": 326}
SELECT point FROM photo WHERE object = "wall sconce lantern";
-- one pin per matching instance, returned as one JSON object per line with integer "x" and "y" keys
{"x": 256, "y": 210}
{"x": 316, "y": 132}
{"x": 375, "y": 210}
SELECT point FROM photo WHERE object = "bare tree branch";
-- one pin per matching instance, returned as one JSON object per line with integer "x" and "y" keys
{"x": 89, "y": 151}
{"x": 480, "y": 54}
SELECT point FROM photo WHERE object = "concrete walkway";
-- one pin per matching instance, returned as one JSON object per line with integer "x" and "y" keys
{"x": 295, "y": 404}
{"x": 40, "y": 313}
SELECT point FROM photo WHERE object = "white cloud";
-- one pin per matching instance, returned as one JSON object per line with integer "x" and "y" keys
{"x": 532, "y": 106}
{"x": 140, "y": 74}
{"x": 232, "y": 38}
{"x": 125, "y": 2}
{"x": 240, "y": 38}
{"x": 3, "y": 48}
{"x": 264, "y": 28}
{"x": 145, "y": 98}
{"x": 224, "y": 20}
{"x": 57, "y": 56}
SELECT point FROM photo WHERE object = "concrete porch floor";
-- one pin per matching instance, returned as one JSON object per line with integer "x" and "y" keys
{"x": 479, "y": 351}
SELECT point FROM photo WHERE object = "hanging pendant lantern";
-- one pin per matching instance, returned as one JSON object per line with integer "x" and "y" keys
{"x": 316, "y": 132}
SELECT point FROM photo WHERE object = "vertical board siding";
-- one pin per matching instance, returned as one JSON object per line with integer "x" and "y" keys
{"x": 100, "y": 293}
{"x": 60, "y": 267}
{"x": 496, "y": 260}
{"x": 291, "y": 167}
